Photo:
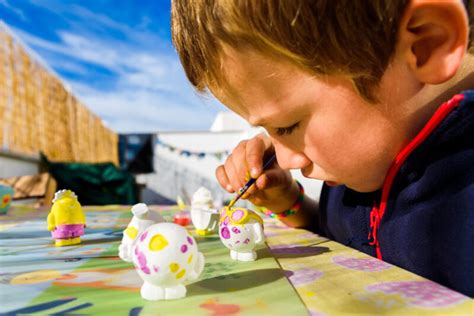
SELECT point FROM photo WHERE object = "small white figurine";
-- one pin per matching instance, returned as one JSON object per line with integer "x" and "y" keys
{"x": 142, "y": 219}
{"x": 241, "y": 230}
{"x": 165, "y": 256}
{"x": 203, "y": 214}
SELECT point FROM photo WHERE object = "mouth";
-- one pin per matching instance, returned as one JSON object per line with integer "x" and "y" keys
{"x": 306, "y": 172}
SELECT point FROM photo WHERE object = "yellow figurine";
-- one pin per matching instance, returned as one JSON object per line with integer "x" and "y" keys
{"x": 66, "y": 221}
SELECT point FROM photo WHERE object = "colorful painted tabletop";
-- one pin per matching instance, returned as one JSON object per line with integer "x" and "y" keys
{"x": 297, "y": 273}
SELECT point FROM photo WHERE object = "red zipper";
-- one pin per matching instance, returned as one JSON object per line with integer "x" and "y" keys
{"x": 378, "y": 210}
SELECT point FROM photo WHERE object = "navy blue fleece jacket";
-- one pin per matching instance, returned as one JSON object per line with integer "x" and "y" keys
{"x": 428, "y": 223}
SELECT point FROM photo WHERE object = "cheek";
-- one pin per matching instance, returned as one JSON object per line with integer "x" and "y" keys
{"x": 350, "y": 146}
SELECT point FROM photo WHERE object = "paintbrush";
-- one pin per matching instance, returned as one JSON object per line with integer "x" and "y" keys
{"x": 249, "y": 183}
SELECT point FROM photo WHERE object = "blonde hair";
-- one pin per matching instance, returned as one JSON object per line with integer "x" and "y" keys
{"x": 346, "y": 37}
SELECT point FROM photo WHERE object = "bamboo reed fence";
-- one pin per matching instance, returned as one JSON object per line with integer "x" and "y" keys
{"x": 37, "y": 112}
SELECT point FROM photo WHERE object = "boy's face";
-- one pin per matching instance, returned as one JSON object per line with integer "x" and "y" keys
{"x": 320, "y": 124}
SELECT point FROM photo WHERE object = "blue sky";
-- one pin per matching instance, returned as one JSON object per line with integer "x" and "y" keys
{"x": 116, "y": 57}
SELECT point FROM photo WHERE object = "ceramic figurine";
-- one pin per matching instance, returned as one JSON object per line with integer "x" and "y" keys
{"x": 142, "y": 219}
{"x": 182, "y": 218}
{"x": 6, "y": 195}
{"x": 165, "y": 256}
{"x": 241, "y": 230}
{"x": 203, "y": 214}
{"x": 181, "y": 204}
{"x": 66, "y": 221}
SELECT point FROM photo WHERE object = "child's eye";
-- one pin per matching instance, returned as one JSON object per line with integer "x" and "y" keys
{"x": 281, "y": 131}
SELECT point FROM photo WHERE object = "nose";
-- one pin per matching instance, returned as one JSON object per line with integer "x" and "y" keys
{"x": 289, "y": 158}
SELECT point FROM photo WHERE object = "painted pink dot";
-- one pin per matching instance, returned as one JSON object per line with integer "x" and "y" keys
{"x": 238, "y": 214}
{"x": 143, "y": 236}
{"x": 155, "y": 268}
{"x": 236, "y": 230}
{"x": 365, "y": 264}
{"x": 304, "y": 276}
{"x": 226, "y": 220}
{"x": 421, "y": 293}
{"x": 190, "y": 240}
{"x": 184, "y": 248}
{"x": 141, "y": 258}
{"x": 225, "y": 233}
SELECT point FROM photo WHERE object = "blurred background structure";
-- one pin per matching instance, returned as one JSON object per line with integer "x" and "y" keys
{"x": 41, "y": 115}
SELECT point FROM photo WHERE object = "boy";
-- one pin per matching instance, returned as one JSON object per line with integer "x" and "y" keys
{"x": 365, "y": 95}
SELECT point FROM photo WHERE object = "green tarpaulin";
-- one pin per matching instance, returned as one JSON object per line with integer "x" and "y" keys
{"x": 94, "y": 184}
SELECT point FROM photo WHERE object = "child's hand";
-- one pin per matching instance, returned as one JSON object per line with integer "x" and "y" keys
{"x": 274, "y": 188}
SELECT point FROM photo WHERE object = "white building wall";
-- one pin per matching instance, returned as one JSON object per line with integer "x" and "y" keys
{"x": 181, "y": 175}
{"x": 176, "y": 174}
{"x": 11, "y": 166}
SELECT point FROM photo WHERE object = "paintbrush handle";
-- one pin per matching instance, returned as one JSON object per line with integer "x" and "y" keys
{"x": 247, "y": 186}
{"x": 249, "y": 183}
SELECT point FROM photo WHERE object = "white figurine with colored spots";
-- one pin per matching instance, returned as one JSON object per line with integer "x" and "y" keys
{"x": 142, "y": 219}
{"x": 241, "y": 230}
{"x": 203, "y": 214}
{"x": 165, "y": 256}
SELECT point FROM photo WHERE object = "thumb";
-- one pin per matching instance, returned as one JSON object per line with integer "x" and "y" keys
{"x": 274, "y": 178}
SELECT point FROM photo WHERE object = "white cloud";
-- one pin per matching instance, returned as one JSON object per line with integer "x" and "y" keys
{"x": 139, "y": 110}
{"x": 150, "y": 91}
{"x": 80, "y": 17}
{"x": 17, "y": 11}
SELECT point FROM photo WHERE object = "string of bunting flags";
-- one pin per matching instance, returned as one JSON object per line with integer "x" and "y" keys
{"x": 189, "y": 153}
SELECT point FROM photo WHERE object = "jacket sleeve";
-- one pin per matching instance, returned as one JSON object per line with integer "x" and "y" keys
{"x": 453, "y": 243}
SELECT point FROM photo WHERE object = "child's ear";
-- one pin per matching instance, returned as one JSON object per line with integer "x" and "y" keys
{"x": 433, "y": 37}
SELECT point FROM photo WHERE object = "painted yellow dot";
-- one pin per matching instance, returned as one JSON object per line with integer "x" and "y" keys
{"x": 174, "y": 267}
{"x": 190, "y": 259}
{"x": 261, "y": 304}
{"x": 157, "y": 242}
{"x": 131, "y": 232}
{"x": 180, "y": 274}
{"x": 35, "y": 277}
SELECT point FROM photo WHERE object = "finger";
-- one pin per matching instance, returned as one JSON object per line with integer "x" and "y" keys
{"x": 273, "y": 178}
{"x": 251, "y": 191}
{"x": 223, "y": 179}
{"x": 232, "y": 174}
{"x": 240, "y": 165}
{"x": 255, "y": 150}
